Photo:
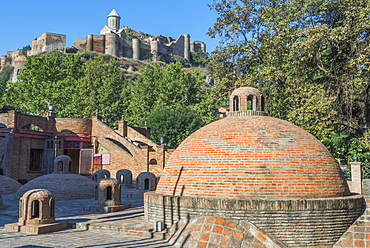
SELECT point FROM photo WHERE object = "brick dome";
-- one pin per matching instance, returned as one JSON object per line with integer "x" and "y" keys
{"x": 62, "y": 186}
{"x": 8, "y": 185}
{"x": 252, "y": 157}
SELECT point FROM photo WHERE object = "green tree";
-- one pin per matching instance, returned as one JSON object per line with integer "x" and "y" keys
{"x": 76, "y": 87}
{"x": 4, "y": 78}
{"x": 310, "y": 59}
{"x": 168, "y": 89}
{"x": 102, "y": 89}
{"x": 172, "y": 126}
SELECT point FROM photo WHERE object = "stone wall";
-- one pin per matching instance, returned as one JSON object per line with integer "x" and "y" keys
{"x": 296, "y": 222}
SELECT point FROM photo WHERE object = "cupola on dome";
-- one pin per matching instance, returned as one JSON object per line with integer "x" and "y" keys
{"x": 252, "y": 156}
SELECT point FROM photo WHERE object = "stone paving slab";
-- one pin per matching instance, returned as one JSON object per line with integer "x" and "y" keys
{"x": 126, "y": 228}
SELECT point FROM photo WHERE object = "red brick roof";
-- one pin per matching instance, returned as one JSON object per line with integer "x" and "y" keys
{"x": 252, "y": 157}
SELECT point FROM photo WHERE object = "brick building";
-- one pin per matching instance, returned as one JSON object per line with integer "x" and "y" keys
{"x": 29, "y": 144}
{"x": 252, "y": 168}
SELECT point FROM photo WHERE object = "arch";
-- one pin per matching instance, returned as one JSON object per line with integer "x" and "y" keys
{"x": 124, "y": 177}
{"x": 249, "y": 102}
{"x": 35, "y": 209}
{"x": 37, "y": 206}
{"x": 52, "y": 207}
{"x": 153, "y": 161}
{"x": 146, "y": 181}
{"x": 32, "y": 127}
{"x": 108, "y": 195}
{"x": 100, "y": 174}
{"x": 146, "y": 184}
{"x": 60, "y": 166}
{"x": 236, "y": 103}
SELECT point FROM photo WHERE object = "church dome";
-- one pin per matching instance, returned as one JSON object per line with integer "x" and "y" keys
{"x": 252, "y": 157}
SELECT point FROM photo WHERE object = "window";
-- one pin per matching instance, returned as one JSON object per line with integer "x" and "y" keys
{"x": 236, "y": 103}
{"x": 60, "y": 166}
{"x": 52, "y": 207}
{"x": 35, "y": 213}
{"x": 109, "y": 193}
{"x": 250, "y": 103}
{"x": 146, "y": 184}
{"x": 153, "y": 162}
{"x": 35, "y": 160}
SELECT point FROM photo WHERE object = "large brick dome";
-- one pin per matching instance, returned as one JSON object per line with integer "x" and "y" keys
{"x": 62, "y": 186}
{"x": 252, "y": 157}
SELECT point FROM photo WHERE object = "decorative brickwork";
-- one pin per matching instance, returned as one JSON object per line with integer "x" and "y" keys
{"x": 208, "y": 231}
{"x": 8, "y": 185}
{"x": 37, "y": 206}
{"x": 62, "y": 186}
{"x": 36, "y": 213}
{"x": 296, "y": 222}
{"x": 252, "y": 156}
{"x": 358, "y": 235}
{"x": 260, "y": 169}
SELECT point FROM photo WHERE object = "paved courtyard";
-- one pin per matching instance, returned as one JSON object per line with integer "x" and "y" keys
{"x": 126, "y": 228}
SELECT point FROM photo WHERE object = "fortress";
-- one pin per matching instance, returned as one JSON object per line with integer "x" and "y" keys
{"x": 112, "y": 40}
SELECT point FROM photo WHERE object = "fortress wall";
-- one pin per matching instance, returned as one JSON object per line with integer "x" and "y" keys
{"x": 177, "y": 47}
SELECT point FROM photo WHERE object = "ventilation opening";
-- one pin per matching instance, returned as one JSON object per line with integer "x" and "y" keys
{"x": 146, "y": 184}
{"x": 35, "y": 211}
{"x": 109, "y": 193}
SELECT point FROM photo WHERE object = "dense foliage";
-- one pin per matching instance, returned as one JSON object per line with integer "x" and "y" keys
{"x": 80, "y": 85}
{"x": 310, "y": 59}
{"x": 76, "y": 87}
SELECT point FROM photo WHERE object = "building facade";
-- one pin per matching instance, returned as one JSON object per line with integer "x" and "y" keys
{"x": 29, "y": 144}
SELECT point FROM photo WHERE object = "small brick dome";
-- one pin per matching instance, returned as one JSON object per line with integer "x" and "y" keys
{"x": 246, "y": 91}
{"x": 8, "y": 185}
{"x": 62, "y": 186}
{"x": 252, "y": 157}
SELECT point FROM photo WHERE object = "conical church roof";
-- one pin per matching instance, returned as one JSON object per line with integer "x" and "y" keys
{"x": 113, "y": 13}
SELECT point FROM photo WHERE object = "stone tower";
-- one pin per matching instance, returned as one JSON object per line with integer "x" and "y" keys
{"x": 114, "y": 20}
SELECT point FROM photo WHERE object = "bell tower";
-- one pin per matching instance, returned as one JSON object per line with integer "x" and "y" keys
{"x": 114, "y": 20}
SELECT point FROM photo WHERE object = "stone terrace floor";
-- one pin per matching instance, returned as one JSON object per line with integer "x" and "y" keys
{"x": 125, "y": 228}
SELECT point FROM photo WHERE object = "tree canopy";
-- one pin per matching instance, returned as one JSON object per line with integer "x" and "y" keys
{"x": 76, "y": 87}
{"x": 310, "y": 59}
{"x": 173, "y": 102}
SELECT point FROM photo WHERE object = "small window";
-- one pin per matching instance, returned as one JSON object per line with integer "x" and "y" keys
{"x": 35, "y": 160}
{"x": 236, "y": 103}
{"x": 109, "y": 193}
{"x": 52, "y": 207}
{"x": 146, "y": 184}
{"x": 122, "y": 179}
{"x": 250, "y": 103}
{"x": 153, "y": 162}
{"x": 35, "y": 209}
{"x": 60, "y": 166}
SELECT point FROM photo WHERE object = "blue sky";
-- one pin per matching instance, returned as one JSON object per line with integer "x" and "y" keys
{"x": 23, "y": 20}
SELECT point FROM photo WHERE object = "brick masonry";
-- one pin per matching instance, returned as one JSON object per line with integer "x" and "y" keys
{"x": 296, "y": 222}
{"x": 8, "y": 185}
{"x": 62, "y": 186}
{"x": 209, "y": 231}
{"x": 252, "y": 156}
